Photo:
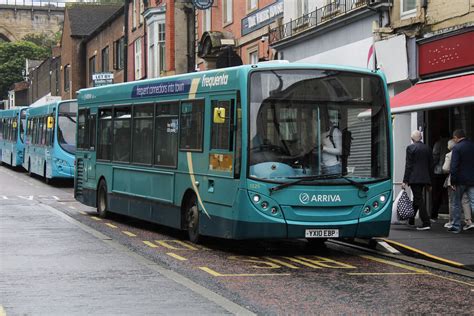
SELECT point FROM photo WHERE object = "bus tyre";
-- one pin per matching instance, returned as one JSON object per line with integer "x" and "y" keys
{"x": 192, "y": 220}
{"x": 29, "y": 168}
{"x": 102, "y": 199}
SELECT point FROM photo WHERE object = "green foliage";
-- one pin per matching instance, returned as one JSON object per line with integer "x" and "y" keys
{"x": 42, "y": 40}
{"x": 12, "y": 62}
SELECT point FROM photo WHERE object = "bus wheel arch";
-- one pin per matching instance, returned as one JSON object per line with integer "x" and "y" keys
{"x": 190, "y": 216}
{"x": 102, "y": 199}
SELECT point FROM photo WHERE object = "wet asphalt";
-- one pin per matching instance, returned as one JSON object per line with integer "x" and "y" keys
{"x": 264, "y": 277}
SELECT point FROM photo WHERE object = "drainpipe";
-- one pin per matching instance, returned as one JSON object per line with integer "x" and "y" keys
{"x": 125, "y": 44}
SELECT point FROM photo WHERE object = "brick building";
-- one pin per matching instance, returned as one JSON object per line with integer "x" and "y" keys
{"x": 243, "y": 25}
{"x": 105, "y": 49}
{"x": 80, "y": 21}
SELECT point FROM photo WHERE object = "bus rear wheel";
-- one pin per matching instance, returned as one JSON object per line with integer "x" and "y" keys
{"x": 102, "y": 200}
{"x": 192, "y": 220}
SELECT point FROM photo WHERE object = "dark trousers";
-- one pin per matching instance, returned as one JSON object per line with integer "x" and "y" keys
{"x": 419, "y": 203}
{"x": 438, "y": 194}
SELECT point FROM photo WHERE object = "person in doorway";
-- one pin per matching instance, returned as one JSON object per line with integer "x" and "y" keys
{"x": 466, "y": 207}
{"x": 418, "y": 173}
{"x": 440, "y": 149}
{"x": 462, "y": 176}
{"x": 331, "y": 146}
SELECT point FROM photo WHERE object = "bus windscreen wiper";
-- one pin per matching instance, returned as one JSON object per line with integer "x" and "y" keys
{"x": 360, "y": 186}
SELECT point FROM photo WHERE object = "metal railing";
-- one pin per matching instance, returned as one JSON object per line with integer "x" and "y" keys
{"x": 36, "y": 3}
{"x": 321, "y": 15}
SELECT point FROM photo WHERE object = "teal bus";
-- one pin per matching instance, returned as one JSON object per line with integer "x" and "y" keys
{"x": 242, "y": 152}
{"x": 51, "y": 140}
{"x": 12, "y": 143}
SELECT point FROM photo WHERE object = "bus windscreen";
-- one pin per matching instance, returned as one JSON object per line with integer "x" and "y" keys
{"x": 307, "y": 123}
{"x": 67, "y": 117}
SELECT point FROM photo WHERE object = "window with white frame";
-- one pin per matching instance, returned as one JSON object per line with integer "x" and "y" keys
{"x": 227, "y": 11}
{"x": 252, "y": 5}
{"x": 253, "y": 55}
{"x": 134, "y": 14}
{"x": 301, "y": 8}
{"x": 408, "y": 8}
{"x": 156, "y": 45}
{"x": 142, "y": 8}
{"x": 206, "y": 20}
{"x": 138, "y": 58}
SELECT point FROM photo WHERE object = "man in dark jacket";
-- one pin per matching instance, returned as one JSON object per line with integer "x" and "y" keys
{"x": 418, "y": 173}
{"x": 462, "y": 175}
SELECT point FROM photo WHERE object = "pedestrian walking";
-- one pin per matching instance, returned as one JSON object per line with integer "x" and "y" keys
{"x": 418, "y": 174}
{"x": 462, "y": 176}
{"x": 466, "y": 207}
{"x": 440, "y": 149}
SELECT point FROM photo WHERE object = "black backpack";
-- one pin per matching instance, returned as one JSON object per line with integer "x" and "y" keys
{"x": 346, "y": 145}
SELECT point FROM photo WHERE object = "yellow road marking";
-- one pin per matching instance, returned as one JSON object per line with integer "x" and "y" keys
{"x": 327, "y": 263}
{"x": 167, "y": 244}
{"x": 395, "y": 264}
{"x": 2, "y": 311}
{"x": 281, "y": 263}
{"x": 385, "y": 273}
{"x": 302, "y": 262}
{"x": 453, "y": 280}
{"x": 176, "y": 256}
{"x": 96, "y": 218}
{"x": 150, "y": 244}
{"x": 82, "y": 212}
{"x": 217, "y": 274}
{"x": 454, "y": 263}
{"x": 129, "y": 233}
{"x": 111, "y": 225}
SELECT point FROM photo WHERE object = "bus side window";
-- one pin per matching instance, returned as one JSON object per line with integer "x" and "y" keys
{"x": 122, "y": 137}
{"x": 92, "y": 130}
{"x": 82, "y": 137}
{"x": 143, "y": 134}
{"x": 104, "y": 138}
{"x": 166, "y": 134}
{"x": 191, "y": 127}
{"x": 221, "y": 133}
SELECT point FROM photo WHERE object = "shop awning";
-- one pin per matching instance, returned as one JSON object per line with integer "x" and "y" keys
{"x": 435, "y": 94}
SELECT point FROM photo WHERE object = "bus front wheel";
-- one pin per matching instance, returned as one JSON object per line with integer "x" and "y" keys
{"x": 29, "y": 168}
{"x": 102, "y": 200}
{"x": 192, "y": 220}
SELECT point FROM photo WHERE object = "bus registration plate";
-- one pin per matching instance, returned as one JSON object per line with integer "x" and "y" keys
{"x": 322, "y": 233}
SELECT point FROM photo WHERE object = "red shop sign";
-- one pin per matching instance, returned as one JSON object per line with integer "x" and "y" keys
{"x": 446, "y": 54}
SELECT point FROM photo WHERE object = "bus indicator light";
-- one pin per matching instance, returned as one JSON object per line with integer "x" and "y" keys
{"x": 265, "y": 205}
{"x": 274, "y": 210}
{"x": 367, "y": 209}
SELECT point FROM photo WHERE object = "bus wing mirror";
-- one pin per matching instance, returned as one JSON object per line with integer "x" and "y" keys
{"x": 50, "y": 122}
{"x": 219, "y": 115}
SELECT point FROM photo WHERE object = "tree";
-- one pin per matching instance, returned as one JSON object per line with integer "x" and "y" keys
{"x": 12, "y": 62}
{"x": 43, "y": 39}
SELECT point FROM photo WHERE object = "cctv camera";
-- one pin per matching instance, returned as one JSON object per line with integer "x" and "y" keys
{"x": 263, "y": 39}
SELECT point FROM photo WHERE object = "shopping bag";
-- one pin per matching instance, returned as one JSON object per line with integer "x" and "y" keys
{"x": 405, "y": 207}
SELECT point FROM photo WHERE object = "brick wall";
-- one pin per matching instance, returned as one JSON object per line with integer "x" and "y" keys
{"x": 96, "y": 45}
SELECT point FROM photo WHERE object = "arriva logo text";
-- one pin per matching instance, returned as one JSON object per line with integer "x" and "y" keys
{"x": 305, "y": 198}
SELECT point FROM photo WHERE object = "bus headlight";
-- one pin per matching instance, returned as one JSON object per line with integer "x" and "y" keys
{"x": 256, "y": 198}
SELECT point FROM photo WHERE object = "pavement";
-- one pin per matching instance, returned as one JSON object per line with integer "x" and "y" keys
{"x": 50, "y": 264}
{"x": 436, "y": 245}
